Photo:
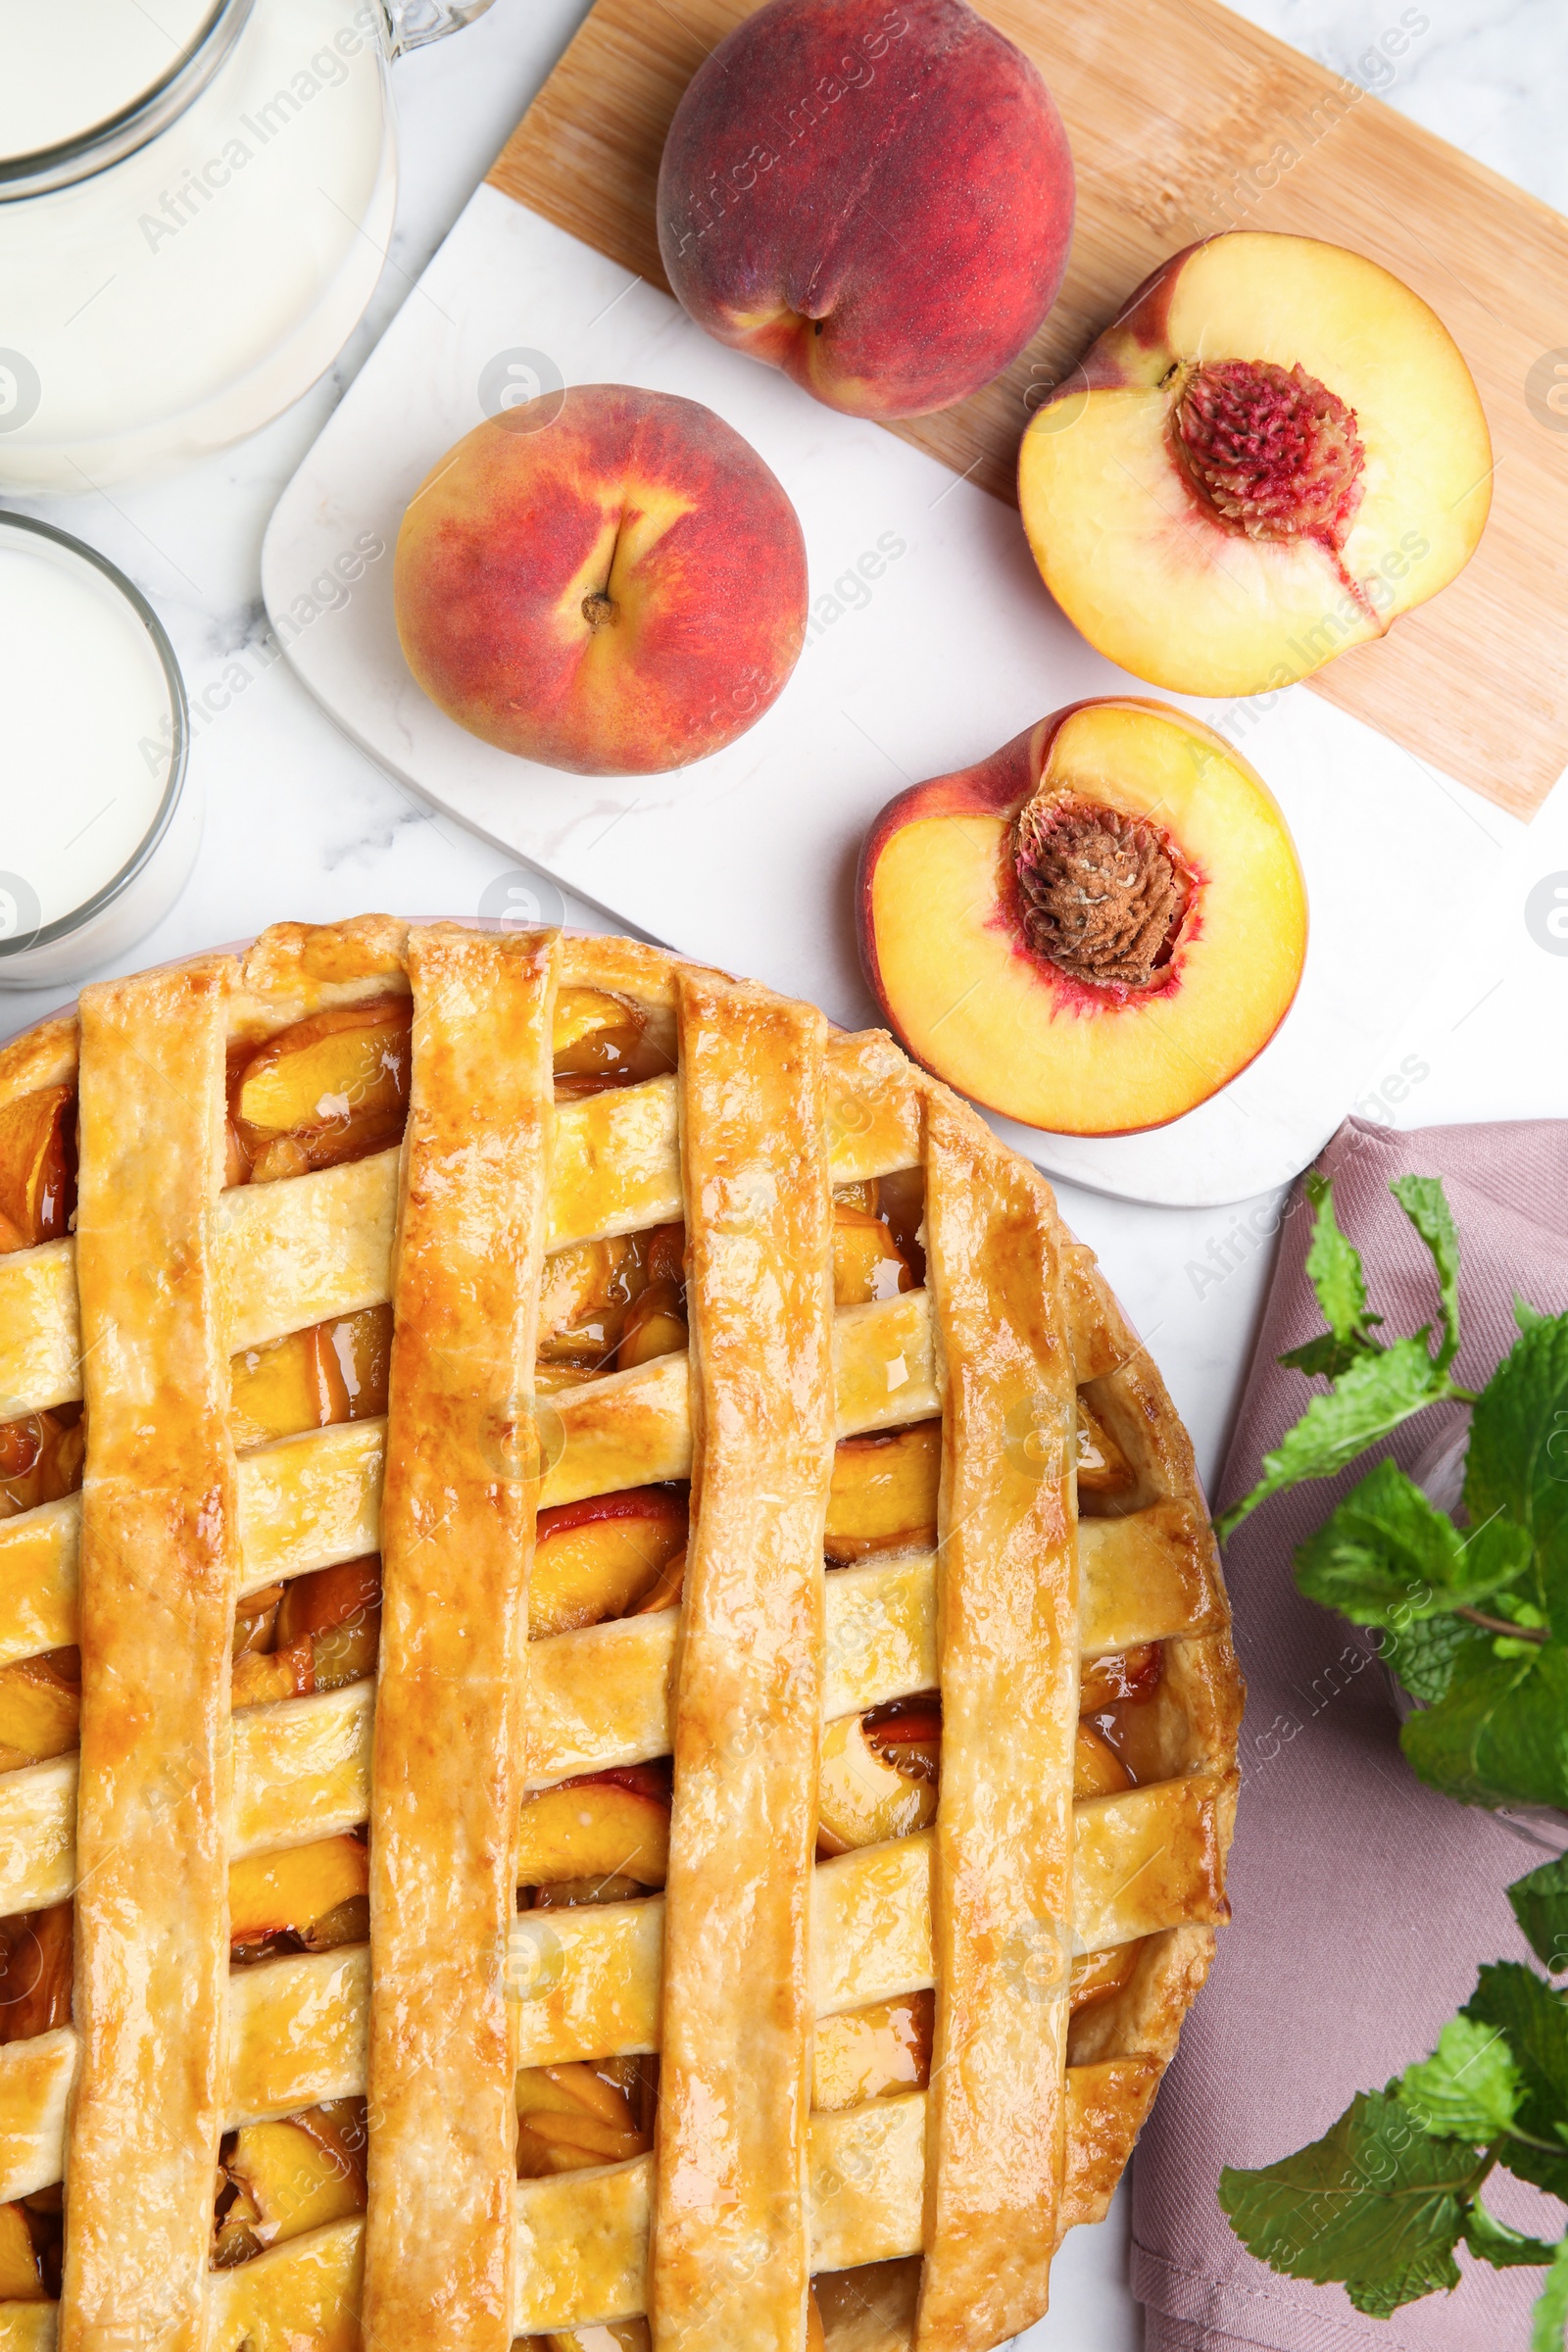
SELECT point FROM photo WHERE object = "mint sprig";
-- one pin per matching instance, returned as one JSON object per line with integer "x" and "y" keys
{"x": 1389, "y": 1556}
{"x": 1376, "y": 1386}
{"x": 1383, "y": 2199}
{"x": 1473, "y": 1616}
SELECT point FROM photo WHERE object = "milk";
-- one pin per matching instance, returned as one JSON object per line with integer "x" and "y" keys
{"x": 86, "y": 726}
{"x": 74, "y": 64}
{"x": 180, "y": 298}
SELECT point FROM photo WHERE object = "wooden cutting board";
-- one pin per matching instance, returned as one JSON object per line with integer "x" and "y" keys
{"x": 1173, "y": 108}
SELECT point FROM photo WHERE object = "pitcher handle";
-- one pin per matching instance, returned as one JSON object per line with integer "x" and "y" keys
{"x": 415, "y": 23}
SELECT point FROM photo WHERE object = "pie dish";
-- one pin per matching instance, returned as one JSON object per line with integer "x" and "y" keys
{"x": 504, "y": 1883}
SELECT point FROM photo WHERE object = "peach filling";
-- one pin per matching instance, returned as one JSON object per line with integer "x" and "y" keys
{"x": 608, "y": 1306}
{"x": 1104, "y": 1470}
{"x": 27, "y": 2242}
{"x": 603, "y": 1838}
{"x": 40, "y": 1458}
{"x": 326, "y": 1090}
{"x": 581, "y": 2114}
{"x": 883, "y": 1494}
{"x": 40, "y": 1707}
{"x": 312, "y": 1379}
{"x": 308, "y": 1898}
{"x": 602, "y": 1039}
{"x": 876, "y": 1245}
{"x": 1269, "y": 451}
{"x": 1103, "y": 892}
{"x": 37, "y": 1167}
{"x": 278, "y": 2179}
{"x": 872, "y": 2053}
{"x": 614, "y": 1555}
{"x": 35, "y": 1967}
{"x": 317, "y": 1633}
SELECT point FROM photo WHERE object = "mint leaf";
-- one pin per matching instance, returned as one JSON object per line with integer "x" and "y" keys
{"x": 1540, "y": 1906}
{"x": 1334, "y": 1269}
{"x": 1375, "y": 1395}
{"x": 1526, "y": 1315}
{"x": 1469, "y": 2087}
{"x": 1376, "y": 2203}
{"x": 1325, "y": 1355}
{"x": 1421, "y": 1653}
{"x": 1388, "y": 1555}
{"x": 1517, "y": 1465}
{"x": 1550, "y": 2316}
{"x": 1533, "y": 2017}
{"x": 1426, "y": 1205}
{"x": 1504, "y": 2248}
{"x": 1499, "y": 1733}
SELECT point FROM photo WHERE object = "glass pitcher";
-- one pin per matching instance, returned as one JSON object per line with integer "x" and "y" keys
{"x": 192, "y": 217}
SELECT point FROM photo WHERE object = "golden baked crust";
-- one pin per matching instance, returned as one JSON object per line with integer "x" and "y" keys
{"x": 1007, "y": 1668}
{"x": 728, "y": 2269}
{"x": 159, "y": 1569}
{"x": 457, "y": 1506}
{"x": 928, "y": 2218}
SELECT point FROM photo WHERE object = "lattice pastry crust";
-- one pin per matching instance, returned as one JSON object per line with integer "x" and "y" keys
{"x": 926, "y": 2215}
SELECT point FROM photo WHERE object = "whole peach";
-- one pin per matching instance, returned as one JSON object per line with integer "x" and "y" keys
{"x": 876, "y": 199}
{"x": 619, "y": 591}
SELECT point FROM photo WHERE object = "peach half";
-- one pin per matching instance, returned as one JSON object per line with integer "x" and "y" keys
{"x": 617, "y": 590}
{"x": 1274, "y": 452}
{"x": 877, "y": 200}
{"x": 1095, "y": 929}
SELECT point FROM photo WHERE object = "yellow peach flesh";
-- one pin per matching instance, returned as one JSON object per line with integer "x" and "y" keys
{"x": 1181, "y": 599}
{"x": 1134, "y": 565}
{"x": 597, "y": 1830}
{"x": 989, "y": 1017}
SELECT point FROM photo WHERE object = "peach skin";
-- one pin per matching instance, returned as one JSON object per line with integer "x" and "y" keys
{"x": 876, "y": 199}
{"x": 618, "y": 592}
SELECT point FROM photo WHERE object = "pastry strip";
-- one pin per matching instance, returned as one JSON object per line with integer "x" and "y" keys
{"x": 456, "y": 1530}
{"x": 1002, "y": 1897}
{"x": 159, "y": 1571}
{"x": 587, "y": 1981}
{"x": 580, "y": 2256}
{"x": 582, "y": 2238}
{"x": 321, "y": 1245}
{"x": 309, "y": 1500}
{"x": 598, "y": 1698}
{"x": 729, "y": 2257}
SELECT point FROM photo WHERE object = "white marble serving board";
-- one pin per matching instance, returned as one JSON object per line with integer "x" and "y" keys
{"x": 949, "y": 649}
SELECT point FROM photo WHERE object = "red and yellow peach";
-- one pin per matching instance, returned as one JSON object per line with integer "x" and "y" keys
{"x": 618, "y": 592}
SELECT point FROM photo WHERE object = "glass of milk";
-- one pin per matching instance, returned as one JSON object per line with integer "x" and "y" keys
{"x": 100, "y": 826}
{"x": 195, "y": 205}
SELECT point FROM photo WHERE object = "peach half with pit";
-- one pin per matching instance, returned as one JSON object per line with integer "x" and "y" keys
{"x": 877, "y": 200}
{"x": 1275, "y": 451}
{"x": 616, "y": 591}
{"x": 1095, "y": 929}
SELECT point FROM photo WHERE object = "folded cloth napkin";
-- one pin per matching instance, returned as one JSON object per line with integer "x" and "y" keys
{"x": 1364, "y": 1901}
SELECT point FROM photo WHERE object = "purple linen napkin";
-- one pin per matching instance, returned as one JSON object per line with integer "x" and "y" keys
{"x": 1364, "y": 1901}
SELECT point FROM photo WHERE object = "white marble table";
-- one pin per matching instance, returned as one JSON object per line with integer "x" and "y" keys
{"x": 300, "y": 823}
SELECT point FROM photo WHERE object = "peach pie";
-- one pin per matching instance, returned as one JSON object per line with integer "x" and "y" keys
{"x": 617, "y": 1718}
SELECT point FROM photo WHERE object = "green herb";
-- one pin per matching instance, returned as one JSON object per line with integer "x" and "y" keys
{"x": 1383, "y": 2199}
{"x": 1540, "y": 1906}
{"x": 1474, "y": 1618}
